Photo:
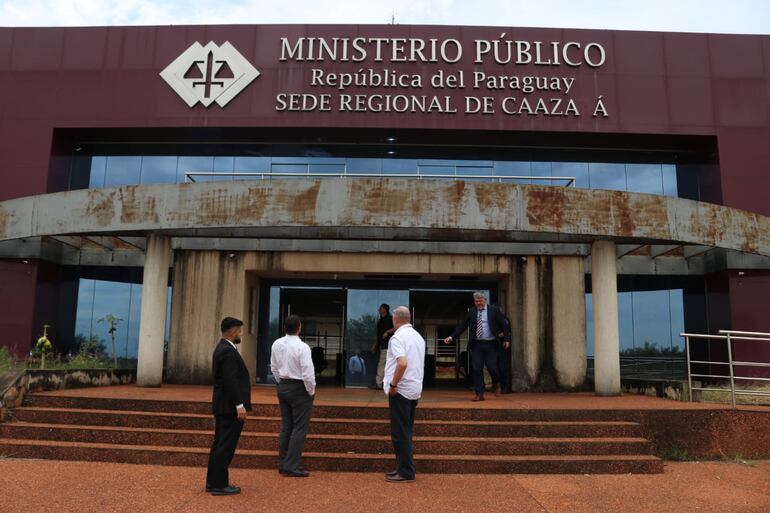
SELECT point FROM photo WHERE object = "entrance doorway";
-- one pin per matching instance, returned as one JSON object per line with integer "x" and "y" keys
{"x": 339, "y": 324}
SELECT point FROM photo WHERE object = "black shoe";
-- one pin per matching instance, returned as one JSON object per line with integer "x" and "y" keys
{"x": 295, "y": 473}
{"x": 398, "y": 479}
{"x": 227, "y": 490}
{"x": 392, "y": 473}
{"x": 282, "y": 471}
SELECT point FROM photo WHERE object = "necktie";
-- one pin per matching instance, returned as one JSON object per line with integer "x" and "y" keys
{"x": 479, "y": 326}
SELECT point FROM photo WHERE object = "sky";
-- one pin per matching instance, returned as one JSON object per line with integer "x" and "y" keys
{"x": 716, "y": 16}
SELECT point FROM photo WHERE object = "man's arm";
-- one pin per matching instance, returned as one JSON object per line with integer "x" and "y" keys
{"x": 398, "y": 373}
{"x": 274, "y": 364}
{"x": 459, "y": 329}
{"x": 230, "y": 381}
{"x": 308, "y": 370}
{"x": 506, "y": 325}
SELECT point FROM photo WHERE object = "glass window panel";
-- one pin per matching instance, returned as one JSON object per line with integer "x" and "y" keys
{"x": 399, "y": 166}
{"x": 646, "y": 178}
{"x": 131, "y": 344}
{"x": 669, "y": 180}
{"x": 196, "y": 165}
{"x": 677, "y": 319}
{"x": 122, "y": 171}
{"x": 576, "y": 170}
{"x": 289, "y": 168}
{"x": 251, "y": 165}
{"x": 541, "y": 169}
{"x": 626, "y": 320}
{"x": 472, "y": 168}
{"x": 224, "y": 165}
{"x": 367, "y": 166}
{"x": 84, "y": 314}
{"x": 326, "y": 168}
{"x": 98, "y": 170}
{"x": 111, "y": 297}
{"x": 607, "y": 176}
{"x": 503, "y": 168}
{"x": 159, "y": 169}
{"x": 652, "y": 324}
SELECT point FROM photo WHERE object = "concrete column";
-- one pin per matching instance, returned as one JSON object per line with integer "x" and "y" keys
{"x": 569, "y": 321}
{"x": 208, "y": 285}
{"x": 533, "y": 333}
{"x": 604, "y": 282}
{"x": 152, "y": 325}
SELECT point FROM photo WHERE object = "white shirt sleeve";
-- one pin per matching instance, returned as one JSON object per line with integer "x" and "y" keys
{"x": 397, "y": 348}
{"x": 274, "y": 363}
{"x": 308, "y": 370}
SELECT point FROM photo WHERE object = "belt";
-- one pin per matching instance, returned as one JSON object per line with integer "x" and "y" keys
{"x": 486, "y": 340}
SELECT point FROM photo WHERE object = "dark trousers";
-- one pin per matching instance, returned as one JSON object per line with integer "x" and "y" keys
{"x": 484, "y": 353}
{"x": 227, "y": 430}
{"x": 296, "y": 405}
{"x": 401, "y": 430}
{"x": 504, "y": 363}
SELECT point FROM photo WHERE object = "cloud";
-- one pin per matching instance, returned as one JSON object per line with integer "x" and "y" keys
{"x": 736, "y": 16}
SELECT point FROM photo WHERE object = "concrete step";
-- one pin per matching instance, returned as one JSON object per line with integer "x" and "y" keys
{"x": 339, "y": 426}
{"x": 490, "y": 412}
{"x": 324, "y": 461}
{"x": 372, "y": 444}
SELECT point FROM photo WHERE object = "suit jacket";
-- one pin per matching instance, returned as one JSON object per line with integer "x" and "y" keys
{"x": 232, "y": 384}
{"x": 497, "y": 324}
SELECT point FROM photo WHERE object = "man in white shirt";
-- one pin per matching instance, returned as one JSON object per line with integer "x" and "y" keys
{"x": 292, "y": 367}
{"x": 404, "y": 372}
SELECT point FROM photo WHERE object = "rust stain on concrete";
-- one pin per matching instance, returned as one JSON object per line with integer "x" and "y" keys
{"x": 251, "y": 204}
{"x": 546, "y": 208}
{"x": 137, "y": 208}
{"x": 101, "y": 206}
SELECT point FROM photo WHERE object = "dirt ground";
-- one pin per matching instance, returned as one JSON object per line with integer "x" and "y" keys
{"x": 37, "y": 486}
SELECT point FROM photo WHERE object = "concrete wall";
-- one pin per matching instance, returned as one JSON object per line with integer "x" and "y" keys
{"x": 546, "y": 301}
{"x": 208, "y": 285}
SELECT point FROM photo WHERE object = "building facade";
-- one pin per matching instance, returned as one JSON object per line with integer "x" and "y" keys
{"x": 606, "y": 188}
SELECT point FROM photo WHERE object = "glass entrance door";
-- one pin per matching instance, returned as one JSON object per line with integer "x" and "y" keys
{"x": 322, "y": 311}
{"x": 362, "y": 315}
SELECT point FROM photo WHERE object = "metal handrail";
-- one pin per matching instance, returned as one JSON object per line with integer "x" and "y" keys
{"x": 728, "y": 336}
{"x": 569, "y": 180}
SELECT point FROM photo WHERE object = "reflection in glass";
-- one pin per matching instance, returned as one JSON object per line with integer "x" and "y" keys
{"x": 159, "y": 169}
{"x": 360, "y": 332}
{"x": 607, "y": 176}
{"x": 644, "y": 178}
{"x": 122, "y": 171}
{"x": 97, "y": 299}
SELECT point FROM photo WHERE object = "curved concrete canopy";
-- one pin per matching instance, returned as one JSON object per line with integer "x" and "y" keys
{"x": 393, "y": 208}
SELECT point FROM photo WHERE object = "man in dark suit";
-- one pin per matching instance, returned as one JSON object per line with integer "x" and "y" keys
{"x": 485, "y": 322}
{"x": 231, "y": 400}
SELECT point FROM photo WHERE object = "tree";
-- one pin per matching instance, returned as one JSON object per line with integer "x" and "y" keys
{"x": 113, "y": 322}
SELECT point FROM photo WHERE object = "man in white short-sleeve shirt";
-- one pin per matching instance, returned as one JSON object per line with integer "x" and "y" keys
{"x": 404, "y": 371}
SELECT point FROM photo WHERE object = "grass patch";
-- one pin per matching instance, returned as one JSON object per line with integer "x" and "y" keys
{"x": 676, "y": 453}
{"x": 709, "y": 396}
{"x": 7, "y": 361}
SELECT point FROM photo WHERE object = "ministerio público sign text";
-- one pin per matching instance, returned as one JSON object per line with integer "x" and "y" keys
{"x": 522, "y": 87}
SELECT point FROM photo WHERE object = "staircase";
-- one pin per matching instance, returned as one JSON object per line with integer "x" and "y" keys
{"x": 351, "y": 439}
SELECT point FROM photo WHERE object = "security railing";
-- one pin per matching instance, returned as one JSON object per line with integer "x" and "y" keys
{"x": 567, "y": 181}
{"x": 728, "y": 336}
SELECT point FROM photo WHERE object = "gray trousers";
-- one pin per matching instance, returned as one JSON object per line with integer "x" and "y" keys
{"x": 296, "y": 405}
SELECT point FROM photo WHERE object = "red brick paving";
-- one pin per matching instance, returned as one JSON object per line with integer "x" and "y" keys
{"x": 335, "y": 396}
{"x": 62, "y": 487}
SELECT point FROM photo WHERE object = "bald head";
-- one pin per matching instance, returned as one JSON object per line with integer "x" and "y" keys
{"x": 401, "y": 316}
